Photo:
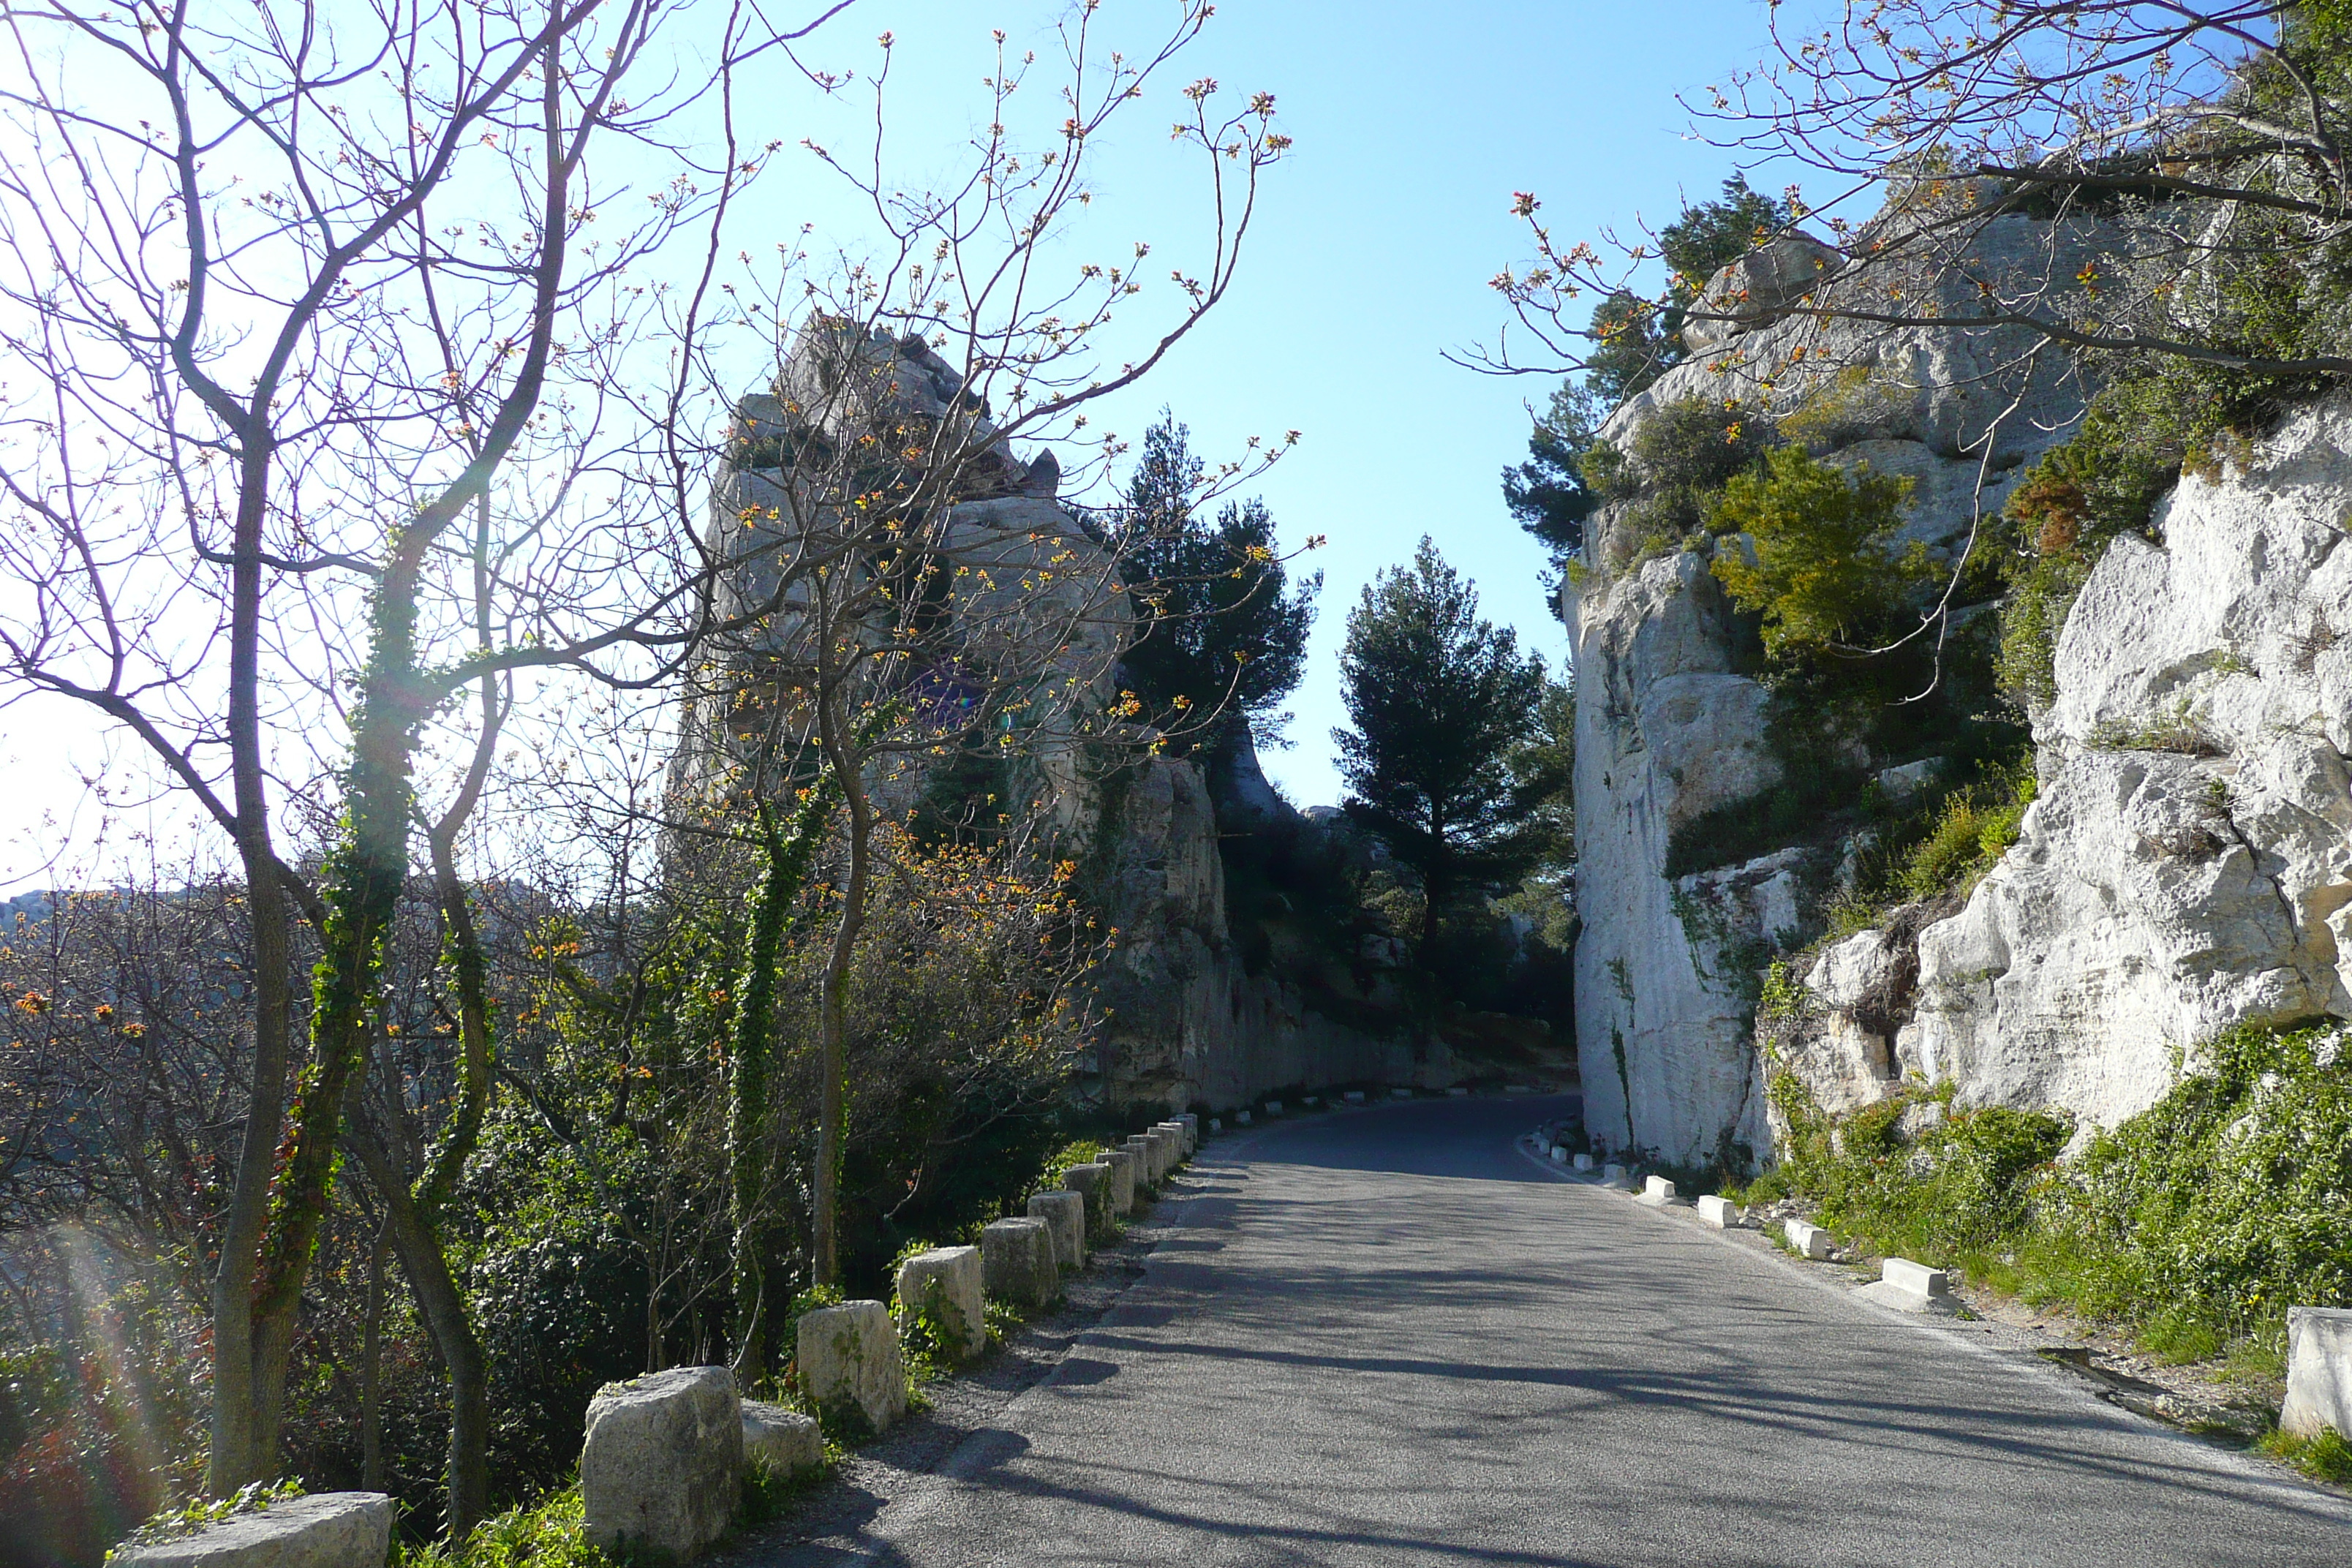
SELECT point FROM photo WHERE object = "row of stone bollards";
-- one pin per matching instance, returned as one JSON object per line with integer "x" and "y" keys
{"x": 2319, "y": 1338}
{"x": 1902, "y": 1284}
{"x": 660, "y": 1471}
{"x": 662, "y": 1468}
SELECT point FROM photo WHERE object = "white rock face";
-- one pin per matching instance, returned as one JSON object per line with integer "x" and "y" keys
{"x": 782, "y": 1442}
{"x": 954, "y": 1276}
{"x": 849, "y": 1356}
{"x": 1664, "y": 733}
{"x": 663, "y": 1461}
{"x": 1666, "y": 730}
{"x": 1754, "y": 288}
{"x": 326, "y": 1530}
{"x": 2187, "y": 865}
{"x": 1841, "y": 1047}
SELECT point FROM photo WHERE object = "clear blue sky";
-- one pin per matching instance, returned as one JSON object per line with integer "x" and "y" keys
{"x": 1415, "y": 124}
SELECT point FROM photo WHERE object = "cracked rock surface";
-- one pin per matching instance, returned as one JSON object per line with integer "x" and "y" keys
{"x": 2187, "y": 865}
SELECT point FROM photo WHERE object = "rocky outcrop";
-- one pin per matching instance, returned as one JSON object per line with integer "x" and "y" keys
{"x": 1184, "y": 1019}
{"x": 1668, "y": 729}
{"x": 2188, "y": 864}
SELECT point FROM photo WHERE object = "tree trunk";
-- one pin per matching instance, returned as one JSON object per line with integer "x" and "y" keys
{"x": 362, "y": 885}
{"x": 235, "y": 1457}
{"x": 371, "y": 1368}
{"x": 443, "y": 1305}
{"x": 788, "y": 856}
{"x": 833, "y": 1018}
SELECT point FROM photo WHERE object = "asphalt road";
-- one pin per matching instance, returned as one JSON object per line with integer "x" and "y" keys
{"x": 1387, "y": 1337}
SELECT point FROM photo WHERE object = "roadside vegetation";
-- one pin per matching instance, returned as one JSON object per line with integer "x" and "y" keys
{"x": 2193, "y": 1224}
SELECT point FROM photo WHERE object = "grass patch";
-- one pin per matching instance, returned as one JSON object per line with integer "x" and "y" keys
{"x": 2327, "y": 1458}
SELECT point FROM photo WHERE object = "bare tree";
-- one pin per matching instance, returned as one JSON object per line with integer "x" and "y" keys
{"x": 906, "y": 584}
{"x": 315, "y": 335}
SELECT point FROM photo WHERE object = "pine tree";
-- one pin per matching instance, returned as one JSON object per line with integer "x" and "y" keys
{"x": 1225, "y": 633}
{"x": 1441, "y": 700}
{"x": 1636, "y": 341}
{"x": 1548, "y": 493}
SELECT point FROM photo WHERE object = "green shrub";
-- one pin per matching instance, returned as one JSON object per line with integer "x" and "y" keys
{"x": 552, "y": 1533}
{"x": 1826, "y": 572}
{"x": 2196, "y": 1223}
{"x": 1678, "y": 461}
{"x": 1963, "y": 1184}
{"x": 2326, "y": 1457}
{"x": 2226, "y": 1198}
{"x": 1086, "y": 1150}
{"x": 1976, "y": 826}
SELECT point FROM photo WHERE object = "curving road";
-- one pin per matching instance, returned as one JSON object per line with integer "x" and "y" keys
{"x": 1388, "y": 1337}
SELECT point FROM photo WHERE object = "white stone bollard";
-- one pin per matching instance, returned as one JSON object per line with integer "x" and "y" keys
{"x": 1123, "y": 1179}
{"x": 1192, "y": 1131}
{"x": 1916, "y": 1278}
{"x": 1582, "y": 1162}
{"x": 1065, "y": 1215}
{"x": 1241, "y": 1118}
{"x": 1353, "y": 1097}
{"x": 1216, "y": 1124}
{"x": 1180, "y": 1141}
{"x": 1719, "y": 1211}
{"x": 326, "y": 1530}
{"x": 849, "y": 1360}
{"x": 785, "y": 1443}
{"x": 1146, "y": 1157}
{"x": 952, "y": 1276}
{"x": 1559, "y": 1153}
{"x": 1149, "y": 1158}
{"x": 1092, "y": 1181}
{"x": 663, "y": 1458}
{"x": 1018, "y": 1257}
{"x": 1657, "y": 1191}
{"x": 1456, "y": 1092}
{"x": 1810, "y": 1240}
{"x": 1274, "y": 1108}
{"x": 1612, "y": 1175}
{"x": 1400, "y": 1094}
{"x": 2318, "y": 1371}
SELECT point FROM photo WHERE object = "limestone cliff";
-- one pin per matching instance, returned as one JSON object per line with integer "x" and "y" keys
{"x": 1187, "y": 1020}
{"x": 2187, "y": 864}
